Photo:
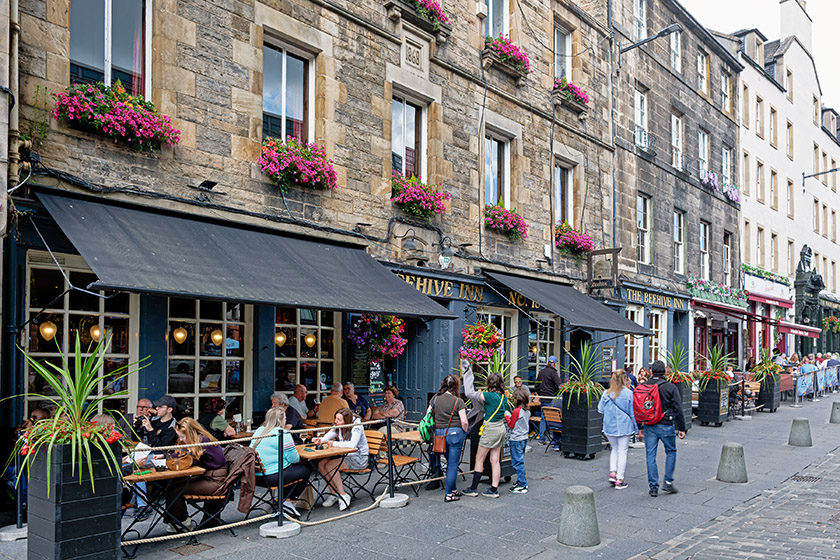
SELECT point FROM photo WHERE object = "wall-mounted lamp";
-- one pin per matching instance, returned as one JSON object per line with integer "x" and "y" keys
{"x": 310, "y": 340}
{"x": 95, "y": 333}
{"x": 408, "y": 244}
{"x": 217, "y": 337}
{"x": 446, "y": 253}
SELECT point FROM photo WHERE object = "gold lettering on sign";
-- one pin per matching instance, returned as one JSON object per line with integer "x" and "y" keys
{"x": 444, "y": 288}
{"x": 658, "y": 300}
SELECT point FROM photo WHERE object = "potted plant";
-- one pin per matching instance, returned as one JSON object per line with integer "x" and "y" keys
{"x": 677, "y": 360}
{"x": 573, "y": 243}
{"x": 428, "y": 15}
{"x": 73, "y": 464}
{"x": 504, "y": 221}
{"x": 570, "y": 95}
{"x": 416, "y": 198}
{"x": 713, "y": 401}
{"x": 297, "y": 163}
{"x": 768, "y": 373}
{"x": 582, "y": 423}
{"x": 481, "y": 340}
{"x": 506, "y": 55}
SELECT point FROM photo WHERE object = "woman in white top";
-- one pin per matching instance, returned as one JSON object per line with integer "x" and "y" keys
{"x": 347, "y": 431}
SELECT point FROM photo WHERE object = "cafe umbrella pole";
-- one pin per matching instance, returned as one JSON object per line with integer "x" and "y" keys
{"x": 393, "y": 500}
{"x": 279, "y": 529}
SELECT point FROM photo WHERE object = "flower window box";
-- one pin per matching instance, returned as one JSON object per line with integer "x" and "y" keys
{"x": 296, "y": 163}
{"x": 506, "y": 222}
{"x": 423, "y": 14}
{"x": 573, "y": 243}
{"x": 570, "y": 96}
{"x": 505, "y": 55}
{"x": 417, "y": 199}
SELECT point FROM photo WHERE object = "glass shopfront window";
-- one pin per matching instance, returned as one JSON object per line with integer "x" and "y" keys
{"x": 208, "y": 353}
{"x": 305, "y": 350}
{"x": 541, "y": 344}
{"x": 57, "y": 315}
{"x": 503, "y": 322}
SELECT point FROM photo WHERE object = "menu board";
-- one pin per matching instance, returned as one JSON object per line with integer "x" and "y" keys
{"x": 377, "y": 383}
{"x": 359, "y": 371}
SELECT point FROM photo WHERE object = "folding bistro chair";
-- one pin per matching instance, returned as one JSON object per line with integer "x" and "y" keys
{"x": 271, "y": 494}
{"x": 404, "y": 466}
{"x": 240, "y": 462}
{"x": 356, "y": 480}
{"x": 554, "y": 425}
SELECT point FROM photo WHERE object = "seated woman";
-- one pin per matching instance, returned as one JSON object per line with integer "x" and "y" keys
{"x": 392, "y": 408}
{"x": 294, "y": 472}
{"x": 213, "y": 419}
{"x": 212, "y": 459}
{"x": 347, "y": 432}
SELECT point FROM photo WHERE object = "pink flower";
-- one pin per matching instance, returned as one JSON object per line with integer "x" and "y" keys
{"x": 508, "y": 52}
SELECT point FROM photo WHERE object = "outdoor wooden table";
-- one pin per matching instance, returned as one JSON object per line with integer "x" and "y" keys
{"x": 308, "y": 453}
{"x": 156, "y": 483}
{"x": 412, "y": 438}
{"x": 244, "y": 434}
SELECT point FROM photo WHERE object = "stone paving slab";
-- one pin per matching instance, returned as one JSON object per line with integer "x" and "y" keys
{"x": 707, "y": 519}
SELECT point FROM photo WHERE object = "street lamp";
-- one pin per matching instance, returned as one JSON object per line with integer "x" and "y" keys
{"x": 817, "y": 174}
{"x": 673, "y": 28}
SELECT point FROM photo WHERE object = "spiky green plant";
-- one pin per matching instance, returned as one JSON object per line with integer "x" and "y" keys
{"x": 76, "y": 397}
{"x": 677, "y": 360}
{"x": 582, "y": 375}
{"x": 718, "y": 362}
{"x": 497, "y": 364}
{"x": 765, "y": 368}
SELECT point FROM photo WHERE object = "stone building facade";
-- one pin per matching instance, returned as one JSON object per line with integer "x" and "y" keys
{"x": 338, "y": 74}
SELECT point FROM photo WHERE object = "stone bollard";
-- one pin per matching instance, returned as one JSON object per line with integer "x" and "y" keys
{"x": 578, "y": 521}
{"x": 835, "y": 413}
{"x": 800, "y": 433}
{"x": 733, "y": 466}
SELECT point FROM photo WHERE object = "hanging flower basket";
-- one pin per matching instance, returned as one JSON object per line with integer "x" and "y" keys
{"x": 378, "y": 336}
{"x": 109, "y": 110}
{"x": 428, "y": 15}
{"x": 568, "y": 95}
{"x": 507, "y": 56}
{"x": 572, "y": 243}
{"x": 417, "y": 199}
{"x": 481, "y": 340}
{"x": 831, "y": 324}
{"x": 504, "y": 221}
{"x": 296, "y": 163}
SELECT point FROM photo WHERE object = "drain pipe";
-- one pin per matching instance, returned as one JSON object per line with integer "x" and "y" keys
{"x": 14, "y": 124}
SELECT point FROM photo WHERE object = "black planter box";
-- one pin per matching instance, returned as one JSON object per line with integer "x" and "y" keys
{"x": 582, "y": 427}
{"x": 770, "y": 394}
{"x": 73, "y": 521}
{"x": 685, "y": 395}
{"x": 713, "y": 404}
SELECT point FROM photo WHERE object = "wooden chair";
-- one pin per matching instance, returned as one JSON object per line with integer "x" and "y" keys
{"x": 271, "y": 494}
{"x": 404, "y": 466}
{"x": 356, "y": 480}
{"x": 554, "y": 425}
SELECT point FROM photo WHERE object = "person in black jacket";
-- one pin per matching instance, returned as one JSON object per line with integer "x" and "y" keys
{"x": 160, "y": 430}
{"x": 548, "y": 383}
{"x": 671, "y": 402}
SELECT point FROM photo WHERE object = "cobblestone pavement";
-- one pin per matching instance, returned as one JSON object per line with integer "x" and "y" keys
{"x": 769, "y": 517}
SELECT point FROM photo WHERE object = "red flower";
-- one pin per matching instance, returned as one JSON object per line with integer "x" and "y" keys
{"x": 24, "y": 450}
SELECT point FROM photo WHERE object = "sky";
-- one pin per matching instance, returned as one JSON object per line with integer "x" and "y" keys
{"x": 731, "y": 15}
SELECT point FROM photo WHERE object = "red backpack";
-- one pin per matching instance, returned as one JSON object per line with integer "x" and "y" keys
{"x": 647, "y": 406}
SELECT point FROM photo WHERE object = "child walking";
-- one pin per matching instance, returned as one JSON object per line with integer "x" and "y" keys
{"x": 517, "y": 421}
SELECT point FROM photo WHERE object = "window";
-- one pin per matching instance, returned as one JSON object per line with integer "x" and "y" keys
{"x": 633, "y": 344}
{"x": 562, "y": 52}
{"x": 759, "y": 116}
{"x": 305, "y": 348}
{"x": 676, "y": 141}
{"x": 816, "y": 110}
{"x": 745, "y": 167}
{"x": 774, "y": 116}
{"x": 563, "y": 195}
{"x": 726, "y": 91}
{"x": 407, "y": 138}
{"x": 285, "y": 94}
{"x": 745, "y": 110}
{"x": 759, "y": 181}
{"x": 791, "y": 258}
{"x": 833, "y": 175}
{"x": 790, "y": 140}
{"x": 834, "y": 226}
{"x": 639, "y": 19}
{"x": 496, "y": 22}
{"x": 108, "y": 42}
{"x": 210, "y": 360}
{"x": 703, "y": 72}
{"x": 825, "y": 220}
{"x": 643, "y": 229}
{"x": 676, "y": 51}
{"x": 659, "y": 339}
{"x": 496, "y": 186}
{"x": 541, "y": 344}
{"x": 704, "y": 251}
{"x": 816, "y": 216}
{"x": 747, "y": 246}
{"x": 702, "y": 151}
{"x": 834, "y": 276}
{"x": 502, "y": 321}
{"x": 790, "y": 198}
{"x": 824, "y": 168}
{"x": 816, "y": 159}
{"x": 726, "y": 165}
{"x": 759, "y": 245}
{"x": 57, "y": 315}
{"x": 641, "y": 119}
{"x": 679, "y": 242}
{"x": 774, "y": 190}
{"x": 824, "y": 268}
{"x": 789, "y": 84}
{"x": 727, "y": 259}
{"x": 774, "y": 252}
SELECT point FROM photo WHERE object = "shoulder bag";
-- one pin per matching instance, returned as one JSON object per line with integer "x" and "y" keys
{"x": 427, "y": 424}
{"x": 502, "y": 398}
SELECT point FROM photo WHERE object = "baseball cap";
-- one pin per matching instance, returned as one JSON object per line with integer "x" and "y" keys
{"x": 166, "y": 400}
{"x": 552, "y": 359}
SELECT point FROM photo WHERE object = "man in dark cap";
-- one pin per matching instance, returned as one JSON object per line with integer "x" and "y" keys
{"x": 548, "y": 383}
{"x": 671, "y": 426}
{"x": 160, "y": 430}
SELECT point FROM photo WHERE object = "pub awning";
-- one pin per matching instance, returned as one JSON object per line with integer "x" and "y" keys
{"x": 151, "y": 251}
{"x": 577, "y": 309}
{"x": 798, "y": 330}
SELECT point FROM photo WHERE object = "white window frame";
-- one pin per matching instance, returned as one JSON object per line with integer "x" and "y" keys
{"x": 659, "y": 340}
{"x": 790, "y": 198}
{"x": 506, "y": 147}
{"x": 703, "y": 72}
{"x": 759, "y": 245}
{"x": 676, "y": 51}
{"x": 286, "y": 49}
{"x": 726, "y": 91}
{"x": 726, "y": 165}
{"x": 639, "y": 19}
{"x": 643, "y": 240}
{"x": 727, "y": 258}
{"x": 759, "y": 180}
{"x": 424, "y": 127}
{"x": 300, "y": 330}
{"x": 562, "y": 67}
{"x": 489, "y": 23}
{"x": 641, "y": 119}
{"x": 676, "y": 141}
{"x": 774, "y": 256}
{"x": 705, "y": 240}
{"x": 505, "y": 321}
{"x": 702, "y": 151}
{"x": 774, "y": 189}
{"x": 633, "y": 344}
{"x": 772, "y": 133}
{"x": 567, "y": 174}
{"x": 542, "y": 343}
{"x": 679, "y": 241}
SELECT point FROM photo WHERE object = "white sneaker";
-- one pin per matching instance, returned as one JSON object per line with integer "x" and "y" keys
{"x": 290, "y": 508}
{"x": 330, "y": 500}
{"x": 344, "y": 502}
{"x": 173, "y": 529}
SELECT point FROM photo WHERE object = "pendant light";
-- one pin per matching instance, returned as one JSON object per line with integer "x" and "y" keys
{"x": 95, "y": 333}
{"x": 180, "y": 335}
{"x": 310, "y": 340}
{"x": 48, "y": 330}
{"x": 217, "y": 337}
{"x": 280, "y": 338}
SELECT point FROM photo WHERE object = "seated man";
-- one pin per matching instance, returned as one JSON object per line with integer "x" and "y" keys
{"x": 293, "y": 419}
{"x": 160, "y": 430}
{"x": 298, "y": 402}
{"x": 131, "y": 424}
{"x": 330, "y": 405}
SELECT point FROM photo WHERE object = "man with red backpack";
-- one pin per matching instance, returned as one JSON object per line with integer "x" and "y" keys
{"x": 658, "y": 407}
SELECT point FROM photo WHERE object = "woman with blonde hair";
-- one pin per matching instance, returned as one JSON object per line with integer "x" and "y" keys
{"x": 616, "y": 405}
{"x": 212, "y": 459}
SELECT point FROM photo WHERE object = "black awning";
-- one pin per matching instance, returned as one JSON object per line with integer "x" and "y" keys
{"x": 138, "y": 250}
{"x": 577, "y": 309}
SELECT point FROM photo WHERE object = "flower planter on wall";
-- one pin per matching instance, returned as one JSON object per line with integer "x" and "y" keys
{"x": 490, "y": 58}
{"x": 582, "y": 427}
{"x": 770, "y": 394}
{"x": 576, "y": 107}
{"x": 405, "y": 10}
{"x": 73, "y": 521}
{"x": 713, "y": 404}
{"x": 685, "y": 395}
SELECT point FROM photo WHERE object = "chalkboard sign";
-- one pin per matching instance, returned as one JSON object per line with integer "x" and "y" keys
{"x": 359, "y": 372}
{"x": 377, "y": 383}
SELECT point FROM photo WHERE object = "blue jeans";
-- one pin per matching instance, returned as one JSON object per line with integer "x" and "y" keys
{"x": 668, "y": 435}
{"x": 517, "y": 460}
{"x": 455, "y": 436}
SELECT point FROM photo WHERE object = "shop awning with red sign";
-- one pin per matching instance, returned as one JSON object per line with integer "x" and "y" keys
{"x": 771, "y": 300}
{"x": 799, "y": 330}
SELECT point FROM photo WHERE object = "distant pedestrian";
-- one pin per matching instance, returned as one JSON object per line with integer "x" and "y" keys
{"x": 517, "y": 383}
{"x": 642, "y": 376}
{"x": 616, "y": 405}
{"x": 548, "y": 383}
{"x": 492, "y": 431}
{"x": 658, "y": 415}
{"x": 518, "y": 424}
{"x": 631, "y": 378}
